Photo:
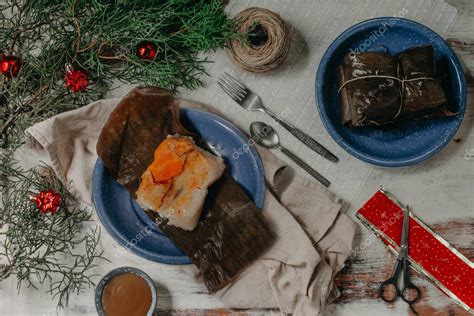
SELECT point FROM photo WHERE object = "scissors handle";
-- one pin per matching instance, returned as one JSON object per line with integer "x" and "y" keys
{"x": 410, "y": 292}
{"x": 391, "y": 285}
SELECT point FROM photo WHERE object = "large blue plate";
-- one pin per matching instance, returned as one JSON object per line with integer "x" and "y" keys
{"x": 408, "y": 142}
{"x": 130, "y": 226}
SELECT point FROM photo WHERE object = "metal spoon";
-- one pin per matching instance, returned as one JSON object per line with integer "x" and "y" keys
{"x": 266, "y": 136}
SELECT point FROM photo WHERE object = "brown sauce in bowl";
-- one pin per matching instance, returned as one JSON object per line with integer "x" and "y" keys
{"x": 127, "y": 294}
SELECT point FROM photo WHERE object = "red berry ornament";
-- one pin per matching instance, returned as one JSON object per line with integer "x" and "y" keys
{"x": 76, "y": 80}
{"x": 10, "y": 66}
{"x": 147, "y": 50}
{"x": 47, "y": 201}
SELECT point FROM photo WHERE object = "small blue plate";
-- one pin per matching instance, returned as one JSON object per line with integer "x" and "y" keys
{"x": 132, "y": 228}
{"x": 407, "y": 142}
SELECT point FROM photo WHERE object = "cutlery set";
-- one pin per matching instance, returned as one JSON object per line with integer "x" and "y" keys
{"x": 264, "y": 134}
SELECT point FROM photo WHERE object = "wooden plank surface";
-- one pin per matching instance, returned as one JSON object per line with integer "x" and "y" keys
{"x": 451, "y": 214}
{"x": 361, "y": 277}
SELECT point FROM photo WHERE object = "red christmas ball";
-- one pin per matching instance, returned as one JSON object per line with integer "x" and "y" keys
{"x": 10, "y": 66}
{"x": 47, "y": 201}
{"x": 147, "y": 50}
{"x": 76, "y": 80}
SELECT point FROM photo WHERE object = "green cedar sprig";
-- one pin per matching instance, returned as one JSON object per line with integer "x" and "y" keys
{"x": 56, "y": 249}
{"x": 100, "y": 36}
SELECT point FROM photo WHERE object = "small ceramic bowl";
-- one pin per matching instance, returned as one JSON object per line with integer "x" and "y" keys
{"x": 122, "y": 270}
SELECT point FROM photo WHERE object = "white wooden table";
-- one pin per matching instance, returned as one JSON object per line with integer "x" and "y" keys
{"x": 440, "y": 191}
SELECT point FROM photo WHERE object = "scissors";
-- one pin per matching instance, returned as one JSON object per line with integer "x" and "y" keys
{"x": 389, "y": 290}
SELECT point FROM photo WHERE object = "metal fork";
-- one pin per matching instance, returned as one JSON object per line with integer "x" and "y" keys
{"x": 251, "y": 101}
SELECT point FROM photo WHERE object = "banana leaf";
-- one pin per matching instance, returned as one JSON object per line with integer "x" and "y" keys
{"x": 379, "y": 101}
{"x": 232, "y": 232}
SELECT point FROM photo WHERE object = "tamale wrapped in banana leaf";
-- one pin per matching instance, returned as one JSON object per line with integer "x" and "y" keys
{"x": 377, "y": 88}
{"x": 134, "y": 129}
{"x": 232, "y": 232}
{"x": 231, "y": 237}
{"x": 371, "y": 99}
{"x": 420, "y": 96}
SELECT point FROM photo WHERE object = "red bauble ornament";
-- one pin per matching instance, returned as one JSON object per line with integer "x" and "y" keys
{"x": 47, "y": 201}
{"x": 147, "y": 50}
{"x": 10, "y": 66}
{"x": 76, "y": 80}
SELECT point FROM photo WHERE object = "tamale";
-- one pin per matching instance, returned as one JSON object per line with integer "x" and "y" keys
{"x": 231, "y": 236}
{"x": 369, "y": 99}
{"x": 139, "y": 123}
{"x": 420, "y": 95}
{"x": 377, "y": 88}
{"x": 232, "y": 232}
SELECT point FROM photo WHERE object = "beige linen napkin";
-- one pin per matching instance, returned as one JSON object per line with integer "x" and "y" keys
{"x": 314, "y": 236}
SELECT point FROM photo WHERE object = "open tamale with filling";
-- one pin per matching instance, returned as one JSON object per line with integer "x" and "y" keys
{"x": 232, "y": 232}
{"x": 376, "y": 88}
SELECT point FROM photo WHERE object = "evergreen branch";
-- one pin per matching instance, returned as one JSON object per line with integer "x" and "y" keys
{"x": 100, "y": 36}
{"x": 39, "y": 247}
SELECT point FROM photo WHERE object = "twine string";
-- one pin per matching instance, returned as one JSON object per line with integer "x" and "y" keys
{"x": 270, "y": 54}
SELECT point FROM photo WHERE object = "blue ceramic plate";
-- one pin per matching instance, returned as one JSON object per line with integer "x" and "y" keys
{"x": 404, "y": 143}
{"x": 129, "y": 224}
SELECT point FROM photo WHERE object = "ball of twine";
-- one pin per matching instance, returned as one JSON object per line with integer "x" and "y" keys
{"x": 266, "y": 56}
